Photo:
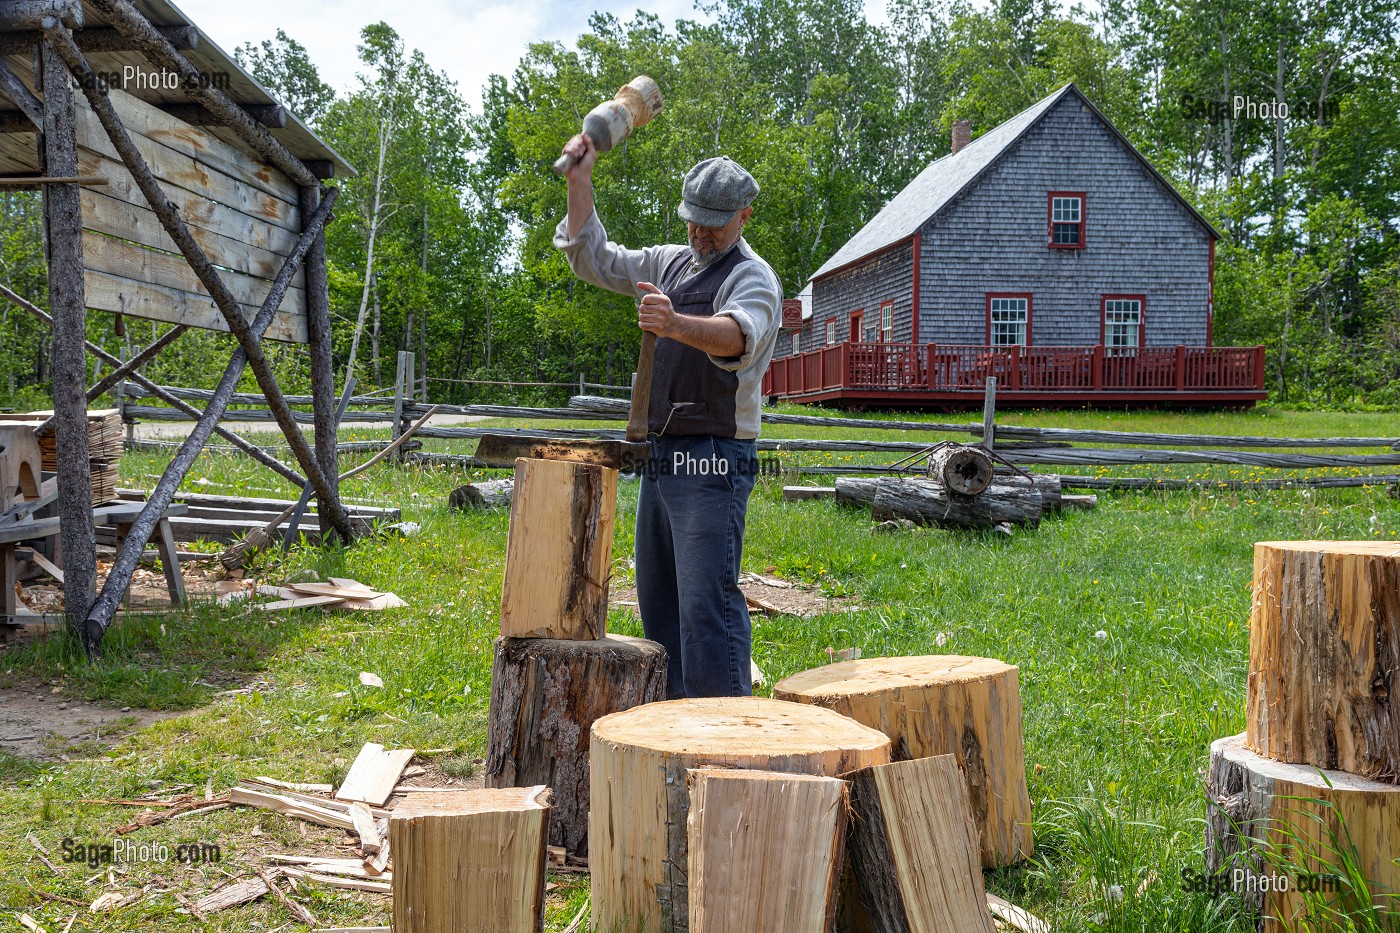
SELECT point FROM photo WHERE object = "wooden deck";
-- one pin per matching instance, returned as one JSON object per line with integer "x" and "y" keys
{"x": 901, "y": 375}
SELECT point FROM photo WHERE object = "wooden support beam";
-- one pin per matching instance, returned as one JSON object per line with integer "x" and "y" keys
{"x": 13, "y": 88}
{"x": 252, "y": 450}
{"x": 470, "y": 861}
{"x": 208, "y": 275}
{"x": 127, "y": 20}
{"x": 321, "y": 168}
{"x": 105, "y": 608}
{"x": 269, "y": 115}
{"x": 63, "y": 227}
{"x": 23, "y": 42}
{"x": 16, "y": 121}
{"x": 319, "y": 338}
{"x": 31, "y": 14}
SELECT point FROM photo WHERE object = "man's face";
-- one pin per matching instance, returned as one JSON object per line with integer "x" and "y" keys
{"x": 706, "y": 242}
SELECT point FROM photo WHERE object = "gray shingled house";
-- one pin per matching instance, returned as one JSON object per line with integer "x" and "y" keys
{"x": 1048, "y": 253}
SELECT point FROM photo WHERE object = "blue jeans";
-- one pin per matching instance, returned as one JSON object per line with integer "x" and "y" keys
{"x": 690, "y": 540}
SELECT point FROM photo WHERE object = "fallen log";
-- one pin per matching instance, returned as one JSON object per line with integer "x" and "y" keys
{"x": 961, "y": 468}
{"x": 489, "y": 494}
{"x": 925, "y": 502}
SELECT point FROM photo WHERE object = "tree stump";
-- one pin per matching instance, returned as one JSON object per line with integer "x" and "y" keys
{"x": 637, "y": 849}
{"x": 765, "y": 851}
{"x": 559, "y": 550}
{"x": 545, "y": 696}
{"x": 941, "y": 705}
{"x": 1324, "y": 656}
{"x": 470, "y": 861}
{"x": 914, "y": 848}
{"x": 1257, "y": 802}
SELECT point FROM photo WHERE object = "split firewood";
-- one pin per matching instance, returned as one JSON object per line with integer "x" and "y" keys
{"x": 295, "y": 908}
{"x": 287, "y": 806}
{"x": 373, "y": 774}
{"x": 297, "y": 786}
{"x": 1014, "y": 917}
{"x": 335, "y": 881}
{"x": 329, "y": 803}
{"x": 231, "y": 895}
{"x": 340, "y": 867}
{"x": 365, "y": 828}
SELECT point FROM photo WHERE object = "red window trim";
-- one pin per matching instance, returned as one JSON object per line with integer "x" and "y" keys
{"x": 1029, "y": 312}
{"x": 881, "y": 323}
{"x": 1050, "y": 218}
{"x": 856, "y": 325}
{"x": 1142, "y": 316}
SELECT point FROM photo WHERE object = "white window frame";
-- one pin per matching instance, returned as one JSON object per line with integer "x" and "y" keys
{"x": 831, "y": 332}
{"x": 887, "y": 322}
{"x": 1008, "y": 316}
{"x": 1118, "y": 317}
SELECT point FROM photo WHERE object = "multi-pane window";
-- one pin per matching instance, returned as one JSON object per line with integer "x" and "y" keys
{"x": 1007, "y": 320}
{"x": 1066, "y": 219}
{"x": 831, "y": 333}
{"x": 887, "y": 322}
{"x": 1122, "y": 322}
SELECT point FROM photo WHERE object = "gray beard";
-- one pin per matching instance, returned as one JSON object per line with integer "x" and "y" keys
{"x": 699, "y": 262}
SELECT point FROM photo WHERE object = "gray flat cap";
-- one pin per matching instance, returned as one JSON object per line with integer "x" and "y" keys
{"x": 714, "y": 191}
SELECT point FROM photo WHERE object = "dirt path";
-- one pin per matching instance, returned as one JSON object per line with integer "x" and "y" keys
{"x": 42, "y": 725}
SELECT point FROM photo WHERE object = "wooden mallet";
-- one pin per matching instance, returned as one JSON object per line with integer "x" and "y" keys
{"x": 608, "y": 124}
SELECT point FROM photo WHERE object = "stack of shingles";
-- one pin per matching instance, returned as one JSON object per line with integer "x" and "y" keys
{"x": 104, "y": 428}
{"x": 334, "y": 593}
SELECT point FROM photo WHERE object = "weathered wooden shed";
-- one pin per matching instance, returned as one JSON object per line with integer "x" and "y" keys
{"x": 175, "y": 189}
{"x": 1047, "y": 252}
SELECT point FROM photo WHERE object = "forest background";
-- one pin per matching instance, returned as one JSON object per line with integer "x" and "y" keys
{"x": 442, "y": 243}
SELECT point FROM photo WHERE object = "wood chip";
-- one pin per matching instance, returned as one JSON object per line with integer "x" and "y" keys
{"x": 300, "y": 602}
{"x": 378, "y": 864}
{"x": 29, "y": 923}
{"x": 113, "y": 900}
{"x": 1014, "y": 916}
{"x": 329, "y": 803}
{"x": 365, "y": 828}
{"x": 370, "y": 680}
{"x": 187, "y": 807}
{"x": 353, "y": 884}
{"x": 295, "y": 908}
{"x": 374, "y": 773}
{"x": 340, "y": 867}
{"x": 296, "y": 785}
{"x": 289, "y": 806}
{"x": 231, "y": 895}
{"x": 376, "y": 603}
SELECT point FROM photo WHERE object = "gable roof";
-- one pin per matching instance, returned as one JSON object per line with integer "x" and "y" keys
{"x": 946, "y": 178}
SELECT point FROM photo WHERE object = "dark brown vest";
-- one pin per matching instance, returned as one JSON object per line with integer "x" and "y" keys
{"x": 689, "y": 394}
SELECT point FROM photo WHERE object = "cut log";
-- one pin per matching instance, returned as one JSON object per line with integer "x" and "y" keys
{"x": 470, "y": 861}
{"x": 1051, "y": 494}
{"x": 546, "y": 694}
{"x": 857, "y": 490}
{"x": 638, "y": 814}
{"x": 1324, "y": 656}
{"x": 559, "y": 550}
{"x": 485, "y": 495}
{"x": 914, "y": 848}
{"x": 928, "y": 503}
{"x": 941, "y": 705}
{"x": 1258, "y": 805}
{"x": 961, "y": 468}
{"x": 373, "y": 774}
{"x": 798, "y": 493}
{"x": 765, "y": 851}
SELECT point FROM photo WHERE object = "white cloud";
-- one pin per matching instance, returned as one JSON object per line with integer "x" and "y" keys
{"x": 469, "y": 39}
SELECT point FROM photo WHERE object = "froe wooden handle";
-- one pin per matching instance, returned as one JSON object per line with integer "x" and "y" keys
{"x": 564, "y": 163}
{"x": 641, "y": 390}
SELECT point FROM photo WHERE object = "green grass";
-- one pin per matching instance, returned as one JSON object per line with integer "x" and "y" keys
{"x": 1116, "y": 728}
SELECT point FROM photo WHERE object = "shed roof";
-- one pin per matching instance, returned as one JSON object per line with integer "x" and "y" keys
{"x": 208, "y": 58}
{"x": 945, "y": 178}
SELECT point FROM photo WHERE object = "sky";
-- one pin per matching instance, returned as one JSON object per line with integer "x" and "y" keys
{"x": 469, "y": 39}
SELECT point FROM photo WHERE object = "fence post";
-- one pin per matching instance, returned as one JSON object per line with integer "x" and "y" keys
{"x": 1098, "y": 367}
{"x": 398, "y": 395}
{"x": 1259, "y": 367}
{"x": 121, "y": 399}
{"x": 1180, "y": 367}
{"x": 989, "y": 413}
{"x": 1016, "y": 366}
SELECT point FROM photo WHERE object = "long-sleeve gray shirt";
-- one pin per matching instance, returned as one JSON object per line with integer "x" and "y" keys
{"x": 751, "y": 295}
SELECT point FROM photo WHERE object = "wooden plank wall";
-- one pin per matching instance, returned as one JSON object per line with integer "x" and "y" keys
{"x": 244, "y": 214}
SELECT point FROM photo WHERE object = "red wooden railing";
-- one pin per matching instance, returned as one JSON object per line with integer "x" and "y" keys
{"x": 953, "y": 368}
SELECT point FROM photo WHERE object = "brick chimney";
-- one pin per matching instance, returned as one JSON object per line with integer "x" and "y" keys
{"x": 962, "y": 134}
